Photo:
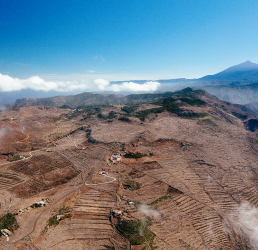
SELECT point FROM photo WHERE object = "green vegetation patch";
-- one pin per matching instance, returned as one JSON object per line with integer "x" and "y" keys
{"x": 137, "y": 232}
{"x": 142, "y": 114}
{"x": 192, "y": 115}
{"x": 129, "y": 108}
{"x": 15, "y": 109}
{"x": 64, "y": 211}
{"x": 16, "y": 158}
{"x": 124, "y": 119}
{"x": 53, "y": 221}
{"x": 171, "y": 105}
{"x": 165, "y": 197}
{"x": 35, "y": 205}
{"x": 109, "y": 247}
{"x": 184, "y": 92}
{"x": 65, "y": 106}
{"x": 9, "y": 222}
{"x": 90, "y": 110}
{"x": 134, "y": 155}
{"x": 207, "y": 121}
{"x": 133, "y": 184}
{"x": 192, "y": 101}
{"x": 111, "y": 115}
{"x": 170, "y": 191}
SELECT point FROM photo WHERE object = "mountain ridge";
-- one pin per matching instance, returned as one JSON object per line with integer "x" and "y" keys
{"x": 243, "y": 71}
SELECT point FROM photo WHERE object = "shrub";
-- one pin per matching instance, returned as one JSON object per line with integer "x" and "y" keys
{"x": 131, "y": 231}
{"x": 101, "y": 116}
{"x": 129, "y": 108}
{"x": 35, "y": 205}
{"x": 142, "y": 114}
{"x": 53, "y": 221}
{"x": 111, "y": 115}
{"x": 192, "y": 101}
{"x": 16, "y": 158}
{"x": 64, "y": 210}
{"x": 192, "y": 115}
{"x": 65, "y": 106}
{"x": 133, "y": 184}
{"x": 207, "y": 121}
{"x": 124, "y": 119}
{"x": 135, "y": 156}
{"x": 161, "y": 199}
{"x": 9, "y": 222}
{"x": 109, "y": 247}
{"x": 137, "y": 232}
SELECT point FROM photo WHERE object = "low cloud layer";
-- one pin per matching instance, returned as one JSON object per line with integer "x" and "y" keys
{"x": 127, "y": 86}
{"x": 146, "y": 210}
{"x": 244, "y": 221}
{"x": 8, "y": 83}
{"x": 3, "y": 132}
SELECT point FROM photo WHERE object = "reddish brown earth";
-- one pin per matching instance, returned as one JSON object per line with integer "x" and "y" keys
{"x": 194, "y": 195}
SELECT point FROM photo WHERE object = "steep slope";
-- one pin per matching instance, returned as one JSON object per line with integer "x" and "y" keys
{"x": 239, "y": 94}
{"x": 246, "y": 71}
{"x": 87, "y": 99}
{"x": 253, "y": 106}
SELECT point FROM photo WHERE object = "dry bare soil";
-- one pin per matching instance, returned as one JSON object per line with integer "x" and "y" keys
{"x": 196, "y": 186}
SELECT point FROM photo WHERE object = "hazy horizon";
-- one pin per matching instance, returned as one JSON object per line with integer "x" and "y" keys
{"x": 83, "y": 46}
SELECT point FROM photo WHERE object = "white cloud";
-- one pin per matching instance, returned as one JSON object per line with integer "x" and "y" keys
{"x": 8, "y": 83}
{"x": 146, "y": 210}
{"x": 127, "y": 86}
{"x": 102, "y": 83}
{"x": 244, "y": 221}
{"x": 136, "y": 87}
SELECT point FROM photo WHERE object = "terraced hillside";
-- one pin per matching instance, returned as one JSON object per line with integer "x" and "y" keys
{"x": 45, "y": 171}
{"x": 9, "y": 179}
{"x": 187, "y": 178}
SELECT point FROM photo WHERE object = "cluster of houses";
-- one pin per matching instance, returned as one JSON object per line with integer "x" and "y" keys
{"x": 41, "y": 203}
{"x": 118, "y": 213}
{"x": 6, "y": 232}
{"x": 117, "y": 157}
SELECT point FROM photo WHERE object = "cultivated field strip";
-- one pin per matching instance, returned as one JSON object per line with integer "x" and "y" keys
{"x": 251, "y": 195}
{"x": 176, "y": 229}
{"x": 83, "y": 160}
{"x": 151, "y": 189}
{"x": 91, "y": 218}
{"x": 218, "y": 194}
{"x": 200, "y": 212}
{"x": 45, "y": 171}
{"x": 234, "y": 181}
{"x": 201, "y": 185}
{"x": 8, "y": 180}
{"x": 206, "y": 222}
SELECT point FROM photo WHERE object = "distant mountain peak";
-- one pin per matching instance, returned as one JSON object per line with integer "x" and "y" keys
{"x": 244, "y": 71}
{"x": 247, "y": 65}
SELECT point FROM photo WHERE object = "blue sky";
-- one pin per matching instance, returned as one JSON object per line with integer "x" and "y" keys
{"x": 125, "y": 40}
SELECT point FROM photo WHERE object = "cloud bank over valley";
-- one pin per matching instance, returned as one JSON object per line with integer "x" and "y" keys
{"x": 8, "y": 84}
